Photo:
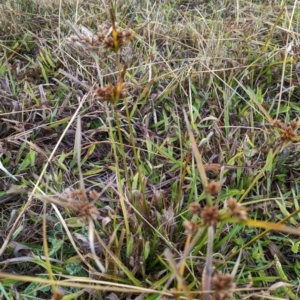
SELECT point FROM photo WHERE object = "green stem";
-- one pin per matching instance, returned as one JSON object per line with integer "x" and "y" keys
{"x": 120, "y": 187}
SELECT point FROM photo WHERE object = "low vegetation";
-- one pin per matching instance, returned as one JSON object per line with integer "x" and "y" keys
{"x": 149, "y": 149}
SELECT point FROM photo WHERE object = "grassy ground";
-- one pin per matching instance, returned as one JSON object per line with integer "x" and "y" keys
{"x": 158, "y": 159}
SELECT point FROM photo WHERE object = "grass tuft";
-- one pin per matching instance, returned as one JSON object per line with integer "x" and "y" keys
{"x": 149, "y": 150}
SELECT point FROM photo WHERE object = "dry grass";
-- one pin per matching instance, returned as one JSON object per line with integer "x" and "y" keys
{"x": 153, "y": 159}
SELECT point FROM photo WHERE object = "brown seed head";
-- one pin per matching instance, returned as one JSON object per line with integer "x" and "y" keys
{"x": 223, "y": 286}
{"x": 277, "y": 123}
{"x": 210, "y": 215}
{"x": 190, "y": 227}
{"x": 294, "y": 124}
{"x": 106, "y": 37}
{"x": 222, "y": 295}
{"x": 223, "y": 282}
{"x": 80, "y": 205}
{"x": 237, "y": 209}
{"x": 108, "y": 92}
{"x": 105, "y": 93}
{"x": 86, "y": 209}
{"x": 213, "y": 187}
{"x": 121, "y": 38}
{"x": 94, "y": 195}
{"x": 286, "y": 132}
{"x": 195, "y": 208}
{"x": 108, "y": 43}
{"x": 232, "y": 204}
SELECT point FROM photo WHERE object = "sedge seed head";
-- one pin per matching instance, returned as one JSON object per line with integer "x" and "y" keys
{"x": 277, "y": 123}
{"x": 213, "y": 187}
{"x": 223, "y": 286}
{"x": 237, "y": 209}
{"x": 210, "y": 215}
{"x": 190, "y": 227}
{"x": 195, "y": 208}
{"x": 78, "y": 202}
{"x": 223, "y": 282}
{"x": 294, "y": 124}
{"x": 108, "y": 92}
{"x": 287, "y": 131}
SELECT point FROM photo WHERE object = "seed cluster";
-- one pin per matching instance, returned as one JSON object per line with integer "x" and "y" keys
{"x": 223, "y": 286}
{"x": 195, "y": 208}
{"x": 190, "y": 227}
{"x": 106, "y": 37}
{"x": 213, "y": 187}
{"x": 78, "y": 202}
{"x": 210, "y": 215}
{"x": 237, "y": 209}
{"x": 287, "y": 131}
{"x": 110, "y": 93}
